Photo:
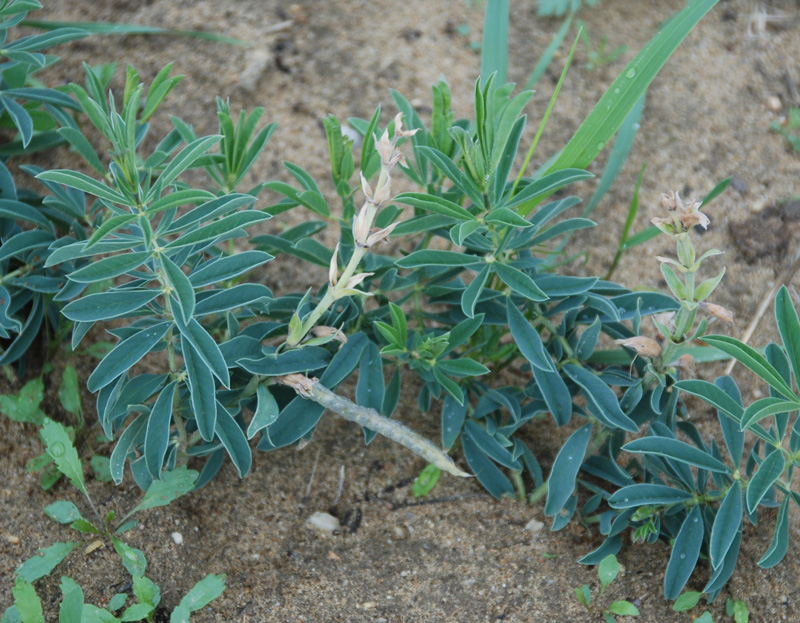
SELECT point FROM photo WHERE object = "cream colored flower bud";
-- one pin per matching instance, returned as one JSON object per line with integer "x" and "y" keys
{"x": 384, "y": 191}
{"x": 363, "y": 223}
{"x": 356, "y": 279}
{"x": 333, "y": 269}
{"x": 331, "y": 332}
{"x": 380, "y": 235}
{"x": 645, "y": 346}
{"x": 719, "y": 312}
{"x": 366, "y": 188}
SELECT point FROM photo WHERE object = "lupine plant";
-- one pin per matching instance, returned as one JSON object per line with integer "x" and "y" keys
{"x": 454, "y": 282}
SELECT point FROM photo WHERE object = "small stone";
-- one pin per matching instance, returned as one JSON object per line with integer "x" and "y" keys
{"x": 333, "y": 556}
{"x": 324, "y": 522}
{"x": 257, "y": 63}
{"x": 13, "y": 539}
{"x": 368, "y": 605}
{"x": 177, "y": 537}
{"x": 774, "y": 103}
{"x": 534, "y": 526}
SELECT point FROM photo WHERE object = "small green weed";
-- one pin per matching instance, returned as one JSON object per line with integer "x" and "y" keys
{"x": 607, "y": 572}
{"x": 790, "y": 130}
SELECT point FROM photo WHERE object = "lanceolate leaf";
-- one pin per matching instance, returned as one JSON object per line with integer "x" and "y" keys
{"x": 125, "y": 354}
{"x": 234, "y": 440}
{"x": 727, "y": 524}
{"x": 435, "y": 204}
{"x": 751, "y": 359}
{"x": 527, "y": 339}
{"x": 156, "y": 436}
{"x": 561, "y": 482}
{"x": 110, "y": 267}
{"x": 432, "y": 257}
{"x": 766, "y": 407}
{"x": 181, "y": 287}
{"x": 519, "y": 282}
{"x": 685, "y": 553}
{"x": 676, "y": 450}
{"x": 768, "y": 472}
{"x": 222, "y": 269}
{"x": 266, "y": 411}
{"x": 602, "y": 397}
{"x": 555, "y": 394}
{"x": 202, "y": 391}
{"x": 205, "y": 346}
{"x": 108, "y": 305}
{"x": 472, "y": 292}
{"x": 83, "y": 182}
{"x": 645, "y": 494}
{"x": 789, "y": 328}
{"x": 780, "y": 539}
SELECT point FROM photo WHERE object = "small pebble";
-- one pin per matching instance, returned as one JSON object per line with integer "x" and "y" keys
{"x": 177, "y": 537}
{"x": 324, "y": 522}
{"x": 13, "y": 539}
{"x": 774, "y": 103}
{"x": 534, "y": 525}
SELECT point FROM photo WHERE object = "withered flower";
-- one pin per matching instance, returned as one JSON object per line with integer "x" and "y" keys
{"x": 645, "y": 346}
{"x": 719, "y": 312}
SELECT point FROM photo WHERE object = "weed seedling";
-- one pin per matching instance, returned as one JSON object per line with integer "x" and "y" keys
{"x": 607, "y": 571}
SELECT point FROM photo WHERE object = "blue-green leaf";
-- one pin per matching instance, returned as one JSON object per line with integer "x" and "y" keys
{"x": 301, "y": 360}
{"x": 780, "y": 538}
{"x": 224, "y": 268}
{"x": 453, "y": 414}
{"x": 561, "y": 482}
{"x": 472, "y": 292}
{"x": 202, "y": 391}
{"x": 234, "y": 440}
{"x": 25, "y": 241}
{"x": 789, "y": 328}
{"x": 548, "y": 184}
{"x": 527, "y": 339}
{"x": 107, "y": 305}
{"x": 768, "y": 472}
{"x": 727, "y": 524}
{"x": 181, "y": 287}
{"x": 110, "y": 267}
{"x": 222, "y": 227}
{"x": 489, "y": 475}
{"x": 205, "y": 346}
{"x": 266, "y": 411}
{"x": 432, "y": 257}
{"x": 555, "y": 393}
{"x": 519, "y": 282}
{"x": 156, "y": 436}
{"x": 676, "y": 450}
{"x": 733, "y": 435}
{"x": 646, "y": 494}
{"x": 765, "y": 407}
{"x": 438, "y": 205}
{"x": 685, "y": 553}
{"x": 125, "y": 354}
{"x": 83, "y": 182}
{"x": 753, "y": 360}
{"x": 601, "y": 397}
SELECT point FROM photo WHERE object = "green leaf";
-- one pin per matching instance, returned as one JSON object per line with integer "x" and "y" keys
{"x": 203, "y": 593}
{"x": 234, "y": 440}
{"x": 645, "y": 494}
{"x": 685, "y": 552}
{"x": 63, "y": 512}
{"x": 704, "y": 290}
{"x": 561, "y": 482}
{"x": 431, "y": 257}
{"x": 547, "y": 184}
{"x": 136, "y": 612}
{"x": 704, "y": 618}
{"x": 173, "y": 484}
{"x": 780, "y": 538}
{"x": 609, "y": 113}
{"x": 789, "y": 328}
{"x": 426, "y": 481}
{"x": 72, "y": 603}
{"x": 24, "y": 406}
{"x": 555, "y": 393}
{"x": 687, "y": 601}
{"x": 527, "y": 339}
{"x": 108, "y": 305}
{"x": 222, "y": 227}
{"x": 727, "y": 524}
{"x": 607, "y": 570}
{"x": 44, "y": 561}
{"x": 132, "y": 559}
{"x": 83, "y": 182}
{"x": 676, "y": 450}
{"x": 494, "y": 51}
{"x": 462, "y": 367}
{"x": 27, "y": 603}
{"x": 108, "y": 226}
{"x": 60, "y": 448}
{"x": 753, "y": 360}
{"x": 601, "y": 397}
{"x": 504, "y": 216}
{"x": 449, "y": 386}
{"x": 453, "y": 414}
{"x": 69, "y": 394}
{"x": 519, "y": 282}
{"x": 110, "y": 267}
{"x": 25, "y": 241}
{"x": 768, "y": 472}
{"x": 185, "y": 159}
{"x": 226, "y": 268}
{"x": 623, "y": 608}
{"x": 125, "y": 354}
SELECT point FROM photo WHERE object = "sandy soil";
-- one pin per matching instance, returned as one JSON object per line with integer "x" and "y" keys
{"x": 459, "y": 556}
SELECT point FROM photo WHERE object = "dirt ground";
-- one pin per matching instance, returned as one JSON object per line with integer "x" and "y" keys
{"x": 459, "y": 555}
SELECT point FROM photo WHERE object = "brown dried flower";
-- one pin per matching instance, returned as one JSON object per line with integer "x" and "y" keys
{"x": 719, "y": 312}
{"x": 645, "y": 346}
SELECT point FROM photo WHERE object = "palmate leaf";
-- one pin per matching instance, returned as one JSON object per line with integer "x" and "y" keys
{"x": 81, "y": 181}
{"x": 205, "y": 346}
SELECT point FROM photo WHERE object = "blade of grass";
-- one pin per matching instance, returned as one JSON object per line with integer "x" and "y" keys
{"x": 494, "y": 50}
{"x": 614, "y": 106}
{"x": 541, "y": 127}
{"x": 549, "y": 52}
{"x": 117, "y": 28}
{"x": 632, "y": 212}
